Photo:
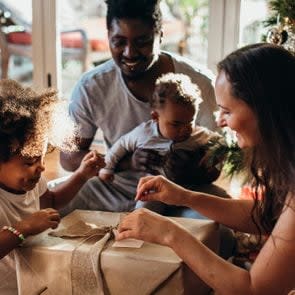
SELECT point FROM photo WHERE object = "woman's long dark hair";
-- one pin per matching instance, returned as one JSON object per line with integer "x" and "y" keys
{"x": 263, "y": 76}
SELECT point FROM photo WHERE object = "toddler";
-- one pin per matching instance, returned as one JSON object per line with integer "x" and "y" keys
{"x": 29, "y": 123}
{"x": 170, "y": 132}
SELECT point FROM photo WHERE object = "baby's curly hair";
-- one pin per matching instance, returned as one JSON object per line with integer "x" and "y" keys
{"x": 178, "y": 88}
{"x": 29, "y": 121}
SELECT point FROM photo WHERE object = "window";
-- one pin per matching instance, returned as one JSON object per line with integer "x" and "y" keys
{"x": 16, "y": 19}
{"x": 252, "y": 15}
{"x": 212, "y": 29}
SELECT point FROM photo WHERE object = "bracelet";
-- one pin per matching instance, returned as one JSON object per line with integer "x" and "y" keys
{"x": 14, "y": 231}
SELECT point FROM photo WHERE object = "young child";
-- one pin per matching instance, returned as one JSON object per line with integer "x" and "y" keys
{"x": 29, "y": 121}
{"x": 170, "y": 132}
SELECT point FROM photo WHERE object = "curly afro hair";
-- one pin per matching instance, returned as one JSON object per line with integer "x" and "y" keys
{"x": 178, "y": 88}
{"x": 29, "y": 121}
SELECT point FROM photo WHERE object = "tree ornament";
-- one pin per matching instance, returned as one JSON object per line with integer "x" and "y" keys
{"x": 274, "y": 36}
{"x": 282, "y": 24}
{"x": 289, "y": 27}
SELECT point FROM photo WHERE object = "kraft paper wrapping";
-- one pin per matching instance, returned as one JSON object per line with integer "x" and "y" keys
{"x": 90, "y": 265}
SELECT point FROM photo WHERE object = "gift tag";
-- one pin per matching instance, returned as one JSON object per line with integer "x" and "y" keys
{"x": 127, "y": 243}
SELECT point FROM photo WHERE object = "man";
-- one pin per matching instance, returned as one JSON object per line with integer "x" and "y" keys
{"x": 114, "y": 97}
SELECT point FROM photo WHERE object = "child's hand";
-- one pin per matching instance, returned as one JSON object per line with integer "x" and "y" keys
{"x": 38, "y": 222}
{"x": 91, "y": 164}
{"x": 106, "y": 176}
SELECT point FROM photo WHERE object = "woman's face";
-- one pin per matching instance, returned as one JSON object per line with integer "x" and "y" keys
{"x": 235, "y": 114}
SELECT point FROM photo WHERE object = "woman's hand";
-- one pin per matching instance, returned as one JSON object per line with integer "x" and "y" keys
{"x": 148, "y": 226}
{"x": 91, "y": 164}
{"x": 158, "y": 188}
{"x": 38, "y": 222}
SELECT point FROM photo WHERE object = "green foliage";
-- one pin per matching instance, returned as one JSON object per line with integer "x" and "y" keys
{"x": 186, "y": 9}
{"x": 284, "y": 8}
{"x": 232, "y": 155}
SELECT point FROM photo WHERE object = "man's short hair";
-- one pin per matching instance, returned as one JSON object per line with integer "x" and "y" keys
{"x": 146, "y": 10}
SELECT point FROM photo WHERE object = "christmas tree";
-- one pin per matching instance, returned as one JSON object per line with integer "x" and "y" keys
{"x": 281, "y": 8}
{"x": 227, "y": 149}
{"x": 282, "y": 24}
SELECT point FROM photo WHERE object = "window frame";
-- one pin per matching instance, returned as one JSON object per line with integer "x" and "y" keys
{"x": 46, "y": 44}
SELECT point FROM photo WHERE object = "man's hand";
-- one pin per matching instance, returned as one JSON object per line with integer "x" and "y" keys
{"x": 146, "y": 160}
{"x": 181, "y": 166}
{"x": 189, "y": 167}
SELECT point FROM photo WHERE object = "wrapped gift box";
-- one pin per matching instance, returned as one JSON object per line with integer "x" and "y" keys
{"x": 54, "y": 265}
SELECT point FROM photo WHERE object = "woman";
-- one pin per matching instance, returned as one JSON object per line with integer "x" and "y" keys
{"x": 255, "y": 91}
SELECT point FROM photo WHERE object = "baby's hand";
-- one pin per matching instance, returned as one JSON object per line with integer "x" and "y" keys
{"x": 106, "y": 176}
{"x": 38, "y": 222}
{"x": 91, "y": 164}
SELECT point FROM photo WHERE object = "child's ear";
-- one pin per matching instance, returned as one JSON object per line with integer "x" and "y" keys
{"x": 155, "y": 115}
